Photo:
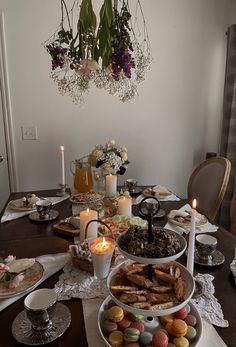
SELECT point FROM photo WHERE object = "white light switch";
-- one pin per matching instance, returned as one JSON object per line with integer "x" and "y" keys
{"x": 29, "y": 132}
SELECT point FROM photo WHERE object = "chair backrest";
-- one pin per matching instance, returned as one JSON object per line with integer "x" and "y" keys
{"x": 233, "y": 214}
{"x": 208, "y": 184}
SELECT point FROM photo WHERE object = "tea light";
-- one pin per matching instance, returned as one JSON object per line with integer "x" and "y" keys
{"x": 191, "y": 242}
{"x": 63, "y": 164}
{"x": 125, "y": 206}
{"x": 101, "y": 249}
{"x": 111, "y": 185}
{"x": 85, "y": 217}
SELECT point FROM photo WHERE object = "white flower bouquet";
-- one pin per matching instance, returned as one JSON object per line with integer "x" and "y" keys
{"x": 111, "y": 158}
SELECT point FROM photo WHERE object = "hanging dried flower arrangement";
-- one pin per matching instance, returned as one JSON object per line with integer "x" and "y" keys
{"x": 113, "y": 55}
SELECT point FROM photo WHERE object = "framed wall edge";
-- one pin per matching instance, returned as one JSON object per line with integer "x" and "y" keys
{"x": 6, "y": 108}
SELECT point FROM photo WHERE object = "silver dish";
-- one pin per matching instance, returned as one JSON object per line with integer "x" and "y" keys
{"x": 53, "y": 214}
{"x": 23, "y": 333}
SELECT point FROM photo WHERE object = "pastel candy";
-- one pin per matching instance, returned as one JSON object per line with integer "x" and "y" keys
{"x": 160, "y": 339}
{"x": 181, "y": 342}
{"x": 116, "y": 338}
{"x": 146, "y": 338}
{"x": 124, "y": 323}
{"x": 166, "y": 319}
{"x": 131, "y": 334}
{"x": 191, "y": 320}
{"x": 132, "y": 344}
{"x": 191, "y": 333}
{"x": 116, "y": 314}
{"x": 181, "y": 314}
{"x": 138, "y": 325}
{"x": 136, "y": 317}
{"x": 109, "y": 326}
{"x": 179, "y": 328}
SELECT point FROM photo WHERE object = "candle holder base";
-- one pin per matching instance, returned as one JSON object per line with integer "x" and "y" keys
{"x": 62, "y": 191}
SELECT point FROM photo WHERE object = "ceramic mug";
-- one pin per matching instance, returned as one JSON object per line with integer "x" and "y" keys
{"x": 205, "y": 245}
{"x": 131, "y": 184}
{"x": 43, "y": 207}
{"x": 40, "y": 307}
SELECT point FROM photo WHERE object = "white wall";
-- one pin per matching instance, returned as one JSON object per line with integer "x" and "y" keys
{"x": 167, "y": 130}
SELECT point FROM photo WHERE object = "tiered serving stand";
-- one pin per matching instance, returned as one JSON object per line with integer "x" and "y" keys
{"x": 185, "y": 274}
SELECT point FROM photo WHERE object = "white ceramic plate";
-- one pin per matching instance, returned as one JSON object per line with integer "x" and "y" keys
{"x": 17, "y": 205}
{"x": 150, "y": 192}
{"x": 185, "y": 274}
{"x": 108, "y": 300}
{"x": 154, "y": 260}
{"x": 86, "y": 198}
{"x": 200, "y": 220}
{"x": 32, "y": 276}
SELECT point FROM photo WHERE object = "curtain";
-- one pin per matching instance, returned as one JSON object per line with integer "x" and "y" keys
{"x": 228, "y": 136}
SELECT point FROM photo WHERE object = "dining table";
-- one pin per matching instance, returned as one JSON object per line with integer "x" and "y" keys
{"x": 25, "y": 239}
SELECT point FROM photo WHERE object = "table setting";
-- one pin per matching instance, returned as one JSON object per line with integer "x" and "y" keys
{"x": 116, "y": 256}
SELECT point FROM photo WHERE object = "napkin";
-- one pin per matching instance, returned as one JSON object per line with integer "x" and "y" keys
{"x": 233, "y": 265}
{"x": 171, "y": 197}
{"x": 91, "y": 307}
{"x": 10, "y": 214}
{"x": 51, "y": 264}
{"x": 205, "y": 228}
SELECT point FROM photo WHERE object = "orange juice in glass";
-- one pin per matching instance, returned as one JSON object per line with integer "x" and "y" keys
{"x": 83, "y": 180}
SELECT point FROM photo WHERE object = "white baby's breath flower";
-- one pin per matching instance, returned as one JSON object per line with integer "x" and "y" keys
{"x": 124, "y": 156}
{"x": 123, "y": 149}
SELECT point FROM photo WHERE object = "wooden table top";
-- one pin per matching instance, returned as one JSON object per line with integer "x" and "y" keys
{"x": 24, "y": 238}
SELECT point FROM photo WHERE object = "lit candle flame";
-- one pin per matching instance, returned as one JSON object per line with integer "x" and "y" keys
{"x": 194, "y": 204}
{"x": 87, "y": 210}
{"x": 62, "y": 148}
{"x": 104, "y": 243}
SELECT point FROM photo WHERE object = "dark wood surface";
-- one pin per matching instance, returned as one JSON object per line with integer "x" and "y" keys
{"x": 24, "y": 238}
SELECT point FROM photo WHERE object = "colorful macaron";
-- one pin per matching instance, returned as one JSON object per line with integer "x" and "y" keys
{"x": 191, "y": 333}
{"x": 181, "y": 314}
{"x": 179, "y": 328}
{"x": 132, "y": 344}
{"x": 116, "y": 338}
{"x": 160, "y": 339}
{"x": 109, "y": 326}
{"x": 124, "y": 323}
{"x": 191, "y": 320}
{"x": 181, "y": 342}
{"x": 145, "y": 338}
{"x": 131, "y": 335}
{"x": 115, "y": 314}
{"x": 166, "y": 319}
{"x": 138, "y": 325}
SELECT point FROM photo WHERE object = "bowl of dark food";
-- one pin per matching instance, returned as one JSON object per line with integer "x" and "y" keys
{"x": 166, "y": 245}
{"x": 165, "y": 290}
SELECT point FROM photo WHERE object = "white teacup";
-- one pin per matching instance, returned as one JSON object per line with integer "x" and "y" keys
{"x": 40, "y": 307}
{"x": 43, "y": 207}
{"x": 205, "y": 245}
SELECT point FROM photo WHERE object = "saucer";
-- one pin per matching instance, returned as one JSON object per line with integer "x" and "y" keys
{"x": 53, "y": 214}
{"x": 160, "y": 214}
{"x": 22, "y": 332}
{"x": 217, "y": 258}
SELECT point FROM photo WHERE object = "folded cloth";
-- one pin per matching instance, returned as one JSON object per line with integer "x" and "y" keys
{"x": 91, "y": 307}
{"x": 51, "y": 264}
{"x": 171, "y": 197}
{"x": 205, "y": 228}
{"x": 233, "y": 266}
{"x": 10, "y": 214}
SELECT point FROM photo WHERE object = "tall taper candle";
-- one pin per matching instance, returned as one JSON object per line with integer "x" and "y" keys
{"x": 63, "y": 165}
{"x": 191, "y": 242}
{"x": 111, "y": 185}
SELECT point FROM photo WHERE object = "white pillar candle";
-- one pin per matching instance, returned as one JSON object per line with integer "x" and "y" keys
{"x": 125, "y": 206}
{"x": 85, "y": 217}
{"x": 62, "y": 165}
{"x": 101, "y": 250}
{"x": 191, "y": 242}
{"x": 111, "y": 185}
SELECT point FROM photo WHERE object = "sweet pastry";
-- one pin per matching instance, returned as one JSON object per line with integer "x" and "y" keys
{"x": 179, "y": 328}
{"x": 138, "y": 325}
{"x": 116, "y": 314}
{"x": 181, "y": 314}
{"x": 131, "y": 334}
{"x": 109, "y": 326}
{"x": 20, "y": 265}
{"x": 132, "y": 344}
{"x": 166, "y": 319}
{"x": 124, "y": 323}
{"x": 145, "y": 338}
{"x": 181, "y": 342}
{"x": 191, "y": 320}
{"x": 160, "y": 339}
{"x": 116, "y": 338}
{"x": 191, "y": 333}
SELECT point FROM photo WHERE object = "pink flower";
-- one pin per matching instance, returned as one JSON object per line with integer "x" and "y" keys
{"x": 3, "y": 268}
{"x": 9, "y": 259}
{"x": 14, "y": 283}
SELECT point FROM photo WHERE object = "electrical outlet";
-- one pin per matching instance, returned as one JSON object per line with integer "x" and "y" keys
{"x": 29, "y": 132}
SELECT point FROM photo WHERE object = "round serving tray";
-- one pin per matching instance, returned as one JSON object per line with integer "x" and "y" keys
{"x": 185, "y": 274}
{"x": 108, "y": 301}
{"x": 154, "y": 260}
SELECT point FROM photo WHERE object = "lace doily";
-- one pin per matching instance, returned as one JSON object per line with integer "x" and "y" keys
{"x": 207, "y": 304}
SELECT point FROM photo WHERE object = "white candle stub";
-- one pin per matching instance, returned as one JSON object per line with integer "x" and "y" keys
{"x": 191, "y": 242}
{"x": 62, "y": 165}
{"x": 111, "y": 185}
{"x": 125, "y": 206}
{"x": 85, "y": 217}
{"x": 101, "y": 249}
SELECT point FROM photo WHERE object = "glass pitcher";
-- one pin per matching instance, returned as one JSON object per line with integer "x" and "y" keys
{"x": 83, "y": 180}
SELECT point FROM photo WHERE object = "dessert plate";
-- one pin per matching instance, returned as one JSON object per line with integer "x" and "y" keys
{"x": 186, "y": 276}
{"x": 18, "y": 205}
{"x": 32, "y": 276}
{"x": 86, "y": 198}
{"x": 53, "y": 214}
{"x": 22, "y": 332}
{"x": 157, "y": 191}
{"x": 217, "y": 258}
{"x": 186, "y": 222}
{"x": 108, "y": 302}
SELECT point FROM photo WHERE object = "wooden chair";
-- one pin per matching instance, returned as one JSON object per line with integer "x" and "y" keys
{"x": 208, "y": 184}
{"x": 233, "y": 215}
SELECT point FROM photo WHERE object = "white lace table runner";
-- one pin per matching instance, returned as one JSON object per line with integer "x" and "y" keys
{"x": 207, "y": 304}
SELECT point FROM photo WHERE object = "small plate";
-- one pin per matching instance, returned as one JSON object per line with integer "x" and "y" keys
{"x": 200, "y": 220}
{"x": 87, "y": 198}
{"x": 32, "y": 276}
{"x": 108, "y": 301}
{"x": 53, "y": 214}
{"x": 150, "y": 192}
{"x": 217, "y": 258}
{"x": 17, "y": 205}
{"x": 22, "y": 332}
